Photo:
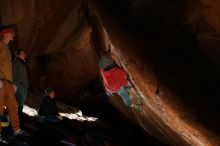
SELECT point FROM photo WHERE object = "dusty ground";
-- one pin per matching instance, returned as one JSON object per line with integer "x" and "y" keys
{"x": 114, "y": 130}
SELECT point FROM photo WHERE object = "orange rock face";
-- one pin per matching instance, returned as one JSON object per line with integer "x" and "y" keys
{"x": 169, "y": 49}
{"x": 56, "y": 37}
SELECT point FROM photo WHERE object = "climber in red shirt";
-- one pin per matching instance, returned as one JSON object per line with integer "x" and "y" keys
{"x": 114, "y": 78}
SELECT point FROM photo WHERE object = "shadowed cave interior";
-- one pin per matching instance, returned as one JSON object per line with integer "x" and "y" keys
{"x": 170, "y": 51}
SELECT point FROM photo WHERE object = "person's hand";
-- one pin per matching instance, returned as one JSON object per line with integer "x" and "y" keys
{"x": 109, "y": 93}
{"x": 14, "y": 87}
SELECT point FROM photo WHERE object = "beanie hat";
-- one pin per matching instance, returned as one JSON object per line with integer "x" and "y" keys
{"x": 48, "y": 90}
{"x": 106, "y": 61}
{"x": 6, "y": 29}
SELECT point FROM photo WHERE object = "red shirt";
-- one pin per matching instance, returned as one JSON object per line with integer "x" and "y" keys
{"x": 114, "y": 79}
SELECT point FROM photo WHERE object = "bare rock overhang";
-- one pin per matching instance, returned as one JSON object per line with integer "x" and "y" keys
{"x": 145, "y": 54}
{"x": 143, "y": 36}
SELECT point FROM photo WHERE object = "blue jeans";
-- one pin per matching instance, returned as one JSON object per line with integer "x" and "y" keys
{"x": 123, "y": 93}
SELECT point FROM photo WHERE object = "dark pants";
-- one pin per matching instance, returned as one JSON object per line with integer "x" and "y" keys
{"x": 20, "y": 114}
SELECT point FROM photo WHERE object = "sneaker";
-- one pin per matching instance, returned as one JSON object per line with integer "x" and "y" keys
{"x": 3, "y": 140}
{"x": 21, "y": 133}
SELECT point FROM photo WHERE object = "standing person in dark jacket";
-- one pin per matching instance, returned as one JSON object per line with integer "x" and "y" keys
{"x": 48, "y": 110}
{"x": 20, "y": 79}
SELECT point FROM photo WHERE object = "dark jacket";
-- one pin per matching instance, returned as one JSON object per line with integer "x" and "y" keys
{"x": 48, "y": 107}
{"x": 20, "y": 77}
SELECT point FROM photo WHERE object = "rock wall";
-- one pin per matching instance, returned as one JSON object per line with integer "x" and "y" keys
{"x": 161, "y": 45}
{"x": 170, "y": 50}
{"x": 56, "y": 37}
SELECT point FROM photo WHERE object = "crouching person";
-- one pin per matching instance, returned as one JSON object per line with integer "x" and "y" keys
{"x": 48, "y": 111}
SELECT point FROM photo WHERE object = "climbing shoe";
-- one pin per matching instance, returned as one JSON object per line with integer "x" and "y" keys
{"x": 138, "y": 106}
